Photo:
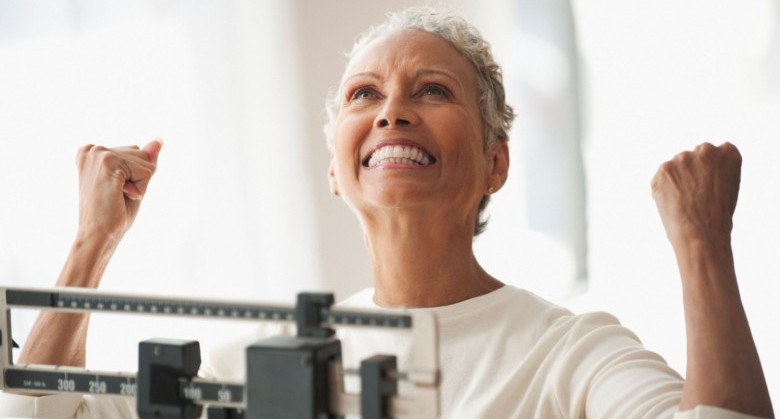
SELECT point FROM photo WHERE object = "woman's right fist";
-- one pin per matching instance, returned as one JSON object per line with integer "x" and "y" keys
{"x": 112, "y": 182}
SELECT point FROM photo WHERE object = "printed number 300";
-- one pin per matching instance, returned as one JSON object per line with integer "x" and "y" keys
{"x": 66, "y": 384}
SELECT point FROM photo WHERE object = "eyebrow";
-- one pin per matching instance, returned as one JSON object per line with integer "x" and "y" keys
{"x": 428, "y": 71}
{"x": 418, "y": 74}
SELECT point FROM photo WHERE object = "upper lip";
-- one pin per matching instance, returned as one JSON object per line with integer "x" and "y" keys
{"x": 395, "y": 142}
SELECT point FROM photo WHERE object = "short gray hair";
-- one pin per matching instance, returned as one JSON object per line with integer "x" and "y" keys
{"x": 496, "y": 114}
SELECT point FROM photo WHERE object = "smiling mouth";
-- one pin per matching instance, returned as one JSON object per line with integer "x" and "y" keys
{"x": 399, "y": 154}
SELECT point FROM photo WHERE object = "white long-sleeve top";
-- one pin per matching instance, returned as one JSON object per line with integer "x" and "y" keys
{"x": 506, "y": 354}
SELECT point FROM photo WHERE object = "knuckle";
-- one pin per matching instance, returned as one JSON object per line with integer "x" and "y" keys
{"x": 706, "y": 150}
{"x": 82, "y": 153}
{"x": 681, "y": 158}
{"x": 95, "y": 153}
{"x": 105, "y": 157}
{"x": 85, "y": 148}
{"x": 654, "y": 183}
{"x": 731, "y": 150}
{"x": 664, "y": 171}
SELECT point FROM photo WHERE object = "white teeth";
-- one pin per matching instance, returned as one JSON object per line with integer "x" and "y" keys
{"x": 397, "y": 154}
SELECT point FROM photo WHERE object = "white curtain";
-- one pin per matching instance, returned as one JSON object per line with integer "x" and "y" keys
{"x": 537, "y": 236}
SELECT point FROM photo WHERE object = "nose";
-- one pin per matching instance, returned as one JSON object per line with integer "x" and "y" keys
{"x": 396, "y": 112}
{"x": 384, "y": 122}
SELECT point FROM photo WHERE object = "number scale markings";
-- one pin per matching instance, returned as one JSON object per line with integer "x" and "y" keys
{"x": 52, "y": 380}
{"x": 41, "y": 379}
{"x": 74, "y": 301}
{"x": 95, "y": 302}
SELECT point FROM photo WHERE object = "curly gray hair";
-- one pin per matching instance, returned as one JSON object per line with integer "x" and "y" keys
{"x": 496, "y": 114}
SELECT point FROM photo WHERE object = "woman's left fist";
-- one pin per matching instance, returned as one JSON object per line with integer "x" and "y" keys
{"x": 696, "y": 193}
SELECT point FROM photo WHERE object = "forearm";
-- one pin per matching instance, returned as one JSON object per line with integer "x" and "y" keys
{"x": 60, "y": 338}
{"x": 724, "y": 369}
{"x": 112, "y": 183}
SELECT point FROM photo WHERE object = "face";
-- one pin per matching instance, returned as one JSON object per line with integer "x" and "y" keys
{"x": 409, "y": 133}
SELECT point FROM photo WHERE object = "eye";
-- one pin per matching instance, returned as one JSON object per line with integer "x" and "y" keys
{"x": 435, "y": 90}
{"x": 363, "y": 93}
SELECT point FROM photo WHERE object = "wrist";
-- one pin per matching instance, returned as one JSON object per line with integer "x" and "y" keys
{"x": 89, "y": 255}
{"x": 93, "y": 235}
{"x": 706, "y": 267}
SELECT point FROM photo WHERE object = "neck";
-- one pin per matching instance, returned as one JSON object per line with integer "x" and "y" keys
{"x": 418, "y": 263}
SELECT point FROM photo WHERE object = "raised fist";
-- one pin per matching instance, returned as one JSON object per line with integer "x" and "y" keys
{"x": 696, "y": 194}
{"x": 112, "y": 182}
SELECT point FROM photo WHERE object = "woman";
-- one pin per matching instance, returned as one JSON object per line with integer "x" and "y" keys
{"x": 418, "y": 138}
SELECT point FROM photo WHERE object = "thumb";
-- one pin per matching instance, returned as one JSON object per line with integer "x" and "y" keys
{"x": 131, "y": 191}
{"x": 153, "y": 148}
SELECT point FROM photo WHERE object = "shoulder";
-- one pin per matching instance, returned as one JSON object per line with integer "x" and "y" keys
{"x": 575, "y": 334}
{"x": 555, "y": 319}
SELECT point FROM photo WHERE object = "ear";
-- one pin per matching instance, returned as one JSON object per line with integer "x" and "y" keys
{"x": 498, "y": 165}
{"x": 332, "y": 182}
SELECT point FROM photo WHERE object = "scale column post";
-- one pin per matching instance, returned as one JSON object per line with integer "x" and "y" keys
{"x": 377, "y": 386}
{"x": 6, "y": 344}
{"x": 161, "y": 363}
{"x": 287, "y": 376}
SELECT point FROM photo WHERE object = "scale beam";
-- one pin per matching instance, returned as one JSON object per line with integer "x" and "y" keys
{"x": 319, "y": 376}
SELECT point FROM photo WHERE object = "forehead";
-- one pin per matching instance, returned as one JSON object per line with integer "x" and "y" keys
{"x": 411, "y": 50}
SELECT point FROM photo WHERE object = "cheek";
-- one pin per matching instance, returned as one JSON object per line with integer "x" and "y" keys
{"x": 462, "y": 133}
{"x": 350, "y": 131}
{"x": 349, "y": 127}
{"x": 347, "y": 137}
{"x": 464, "y": 138}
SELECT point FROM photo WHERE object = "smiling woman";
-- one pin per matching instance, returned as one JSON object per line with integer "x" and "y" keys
{"x": 476, "y": 80}
{"x": 412, "y": 89}
{"x": 418, "y": 142}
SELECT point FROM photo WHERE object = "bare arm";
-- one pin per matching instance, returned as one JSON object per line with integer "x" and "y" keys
{"x": 112, "y": 183}
{"x": 696, "y": 194}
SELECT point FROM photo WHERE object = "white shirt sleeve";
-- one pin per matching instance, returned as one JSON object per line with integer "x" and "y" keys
{"x": 606, "y": 369}
{"x": 55, "y": 406}
{"x": 67, "y": 406}
{"x": 107, "y": 407}
{"x": 708, "y": 412}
